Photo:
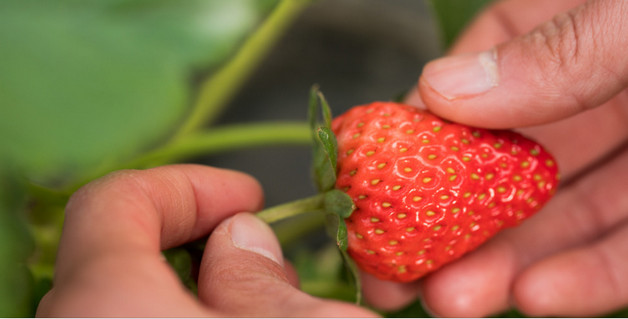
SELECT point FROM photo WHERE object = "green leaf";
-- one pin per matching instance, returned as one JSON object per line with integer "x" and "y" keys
{"x": 454, "y": 15}
{"x": 85, "y": 83}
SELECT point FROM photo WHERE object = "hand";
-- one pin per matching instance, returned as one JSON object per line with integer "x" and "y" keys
{"x": 109, "y": 262}
{"x": 570, "y": 74}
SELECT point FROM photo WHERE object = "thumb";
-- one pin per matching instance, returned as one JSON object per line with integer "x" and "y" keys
{"x": 242, "y": 274}
{"x": 572, "y": 63}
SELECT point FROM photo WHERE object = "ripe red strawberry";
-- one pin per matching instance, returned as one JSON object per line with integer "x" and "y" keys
{"x": 428, "y": 191}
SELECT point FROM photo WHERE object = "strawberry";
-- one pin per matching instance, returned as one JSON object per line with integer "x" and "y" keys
{"x": 427, "y": 191}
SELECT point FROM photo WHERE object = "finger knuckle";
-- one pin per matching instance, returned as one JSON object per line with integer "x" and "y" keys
{"x": 255, "y": 274}
{"x": 559, "y": 42}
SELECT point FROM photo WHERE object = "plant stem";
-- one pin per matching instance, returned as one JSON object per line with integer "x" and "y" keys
{"x": 216, "y": 91}
{"x": 227, "y": 138}
{"x": 305, "y": 205}
{"x": 289, "y": 231}
{"x": 218, "y": 139}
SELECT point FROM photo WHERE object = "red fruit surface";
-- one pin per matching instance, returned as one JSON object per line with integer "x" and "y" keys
{"x": 427, "y": 191}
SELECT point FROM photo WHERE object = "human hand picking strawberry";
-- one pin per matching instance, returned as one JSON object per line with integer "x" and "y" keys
{"x": 110, "y": 263}
{"x": 569, "y": 76}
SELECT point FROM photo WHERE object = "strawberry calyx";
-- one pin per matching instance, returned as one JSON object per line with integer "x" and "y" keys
{"x": 324, "y": 157}
{"x": 329, "y": 200}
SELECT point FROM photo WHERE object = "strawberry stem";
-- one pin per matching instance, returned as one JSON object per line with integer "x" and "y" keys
{"x": 289, "y": 231}
{"x": 306, "y": 205}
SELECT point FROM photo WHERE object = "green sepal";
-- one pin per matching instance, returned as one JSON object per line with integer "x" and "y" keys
{"x": 355, "y": 275}
{"x": 324, "y": 161}
{"x": 317, "y": 99}
{"x": 325, "y": 147}
{"x": 336, "y": 203}
{"x": 312, "y": 114}
{"x": 339, "y": 204}
{"x": 325, "y": 109}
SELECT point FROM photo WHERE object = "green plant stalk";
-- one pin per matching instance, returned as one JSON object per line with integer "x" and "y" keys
{"x": 295, "y": 219}
{"x": 216, "y": 140}
{"x": 289, "y": 231}
{"x": 219, "y": 88}
{"x": 301, "y": 206}
{"x": 227, "y": 138}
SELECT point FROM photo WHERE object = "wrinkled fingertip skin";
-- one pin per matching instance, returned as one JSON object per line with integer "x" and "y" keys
{"x": 427, "y": 191}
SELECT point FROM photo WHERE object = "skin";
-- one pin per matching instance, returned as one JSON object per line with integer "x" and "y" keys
{"x": 562, "y": 80}
{"x": 109, "y": 262}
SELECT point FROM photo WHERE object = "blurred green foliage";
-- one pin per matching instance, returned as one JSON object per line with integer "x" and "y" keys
{"x": 89, "y": 82}
{"x": 455, "y": 15}
{"x": 16, "y": 282}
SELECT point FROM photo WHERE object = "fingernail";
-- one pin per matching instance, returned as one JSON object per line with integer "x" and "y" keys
{"x": 252, "y": 234}
{"x": 463, "y": 76}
